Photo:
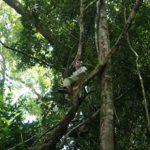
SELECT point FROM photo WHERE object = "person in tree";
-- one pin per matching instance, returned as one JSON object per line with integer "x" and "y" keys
{"x": 74, "y": 78}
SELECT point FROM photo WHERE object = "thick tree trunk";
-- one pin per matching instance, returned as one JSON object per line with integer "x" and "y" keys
{"x": 106, "y": 114}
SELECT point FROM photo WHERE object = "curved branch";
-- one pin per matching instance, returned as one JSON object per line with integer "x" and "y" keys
{"x": 28, "y": 16}
{"x": 79, "y": 125}
{"x": 126, "y": 27}
{"x": 101, "y": 66}
{"x": 140, "y": 76}
{"x": 61, "y": 130}
{"x": 25, "y": 54}
{"x": 62, "y": 127}
{"x": 81, "y": 24}
{"x": 141, "y": 82}
{"x": 90, "y": 4}
{"x": 43, "y": 134}
{"x": 16, "y": 5}
{"x": 24, "y": 142}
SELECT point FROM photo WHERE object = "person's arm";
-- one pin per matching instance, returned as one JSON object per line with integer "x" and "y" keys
{"x": 82, "y": 72}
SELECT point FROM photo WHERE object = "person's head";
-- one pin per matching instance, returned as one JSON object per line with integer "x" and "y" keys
{"x": 78, "y": 64}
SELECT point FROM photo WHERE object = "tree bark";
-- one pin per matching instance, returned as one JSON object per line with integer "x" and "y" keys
{"x": 63, "y": 125}
{"x": 106, "y": 111}
{"x": 3, "y": 74}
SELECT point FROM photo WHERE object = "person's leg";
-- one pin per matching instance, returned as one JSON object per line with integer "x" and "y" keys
{"x": 66, "y": 86}
{"x": 66, "y": 83}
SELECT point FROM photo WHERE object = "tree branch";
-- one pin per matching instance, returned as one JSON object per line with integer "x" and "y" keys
{"x": 126, "y": 27}
{"x": 25, "y": 54}
{"x": 141, "y": 82}
{"x": 46, "y": 132}
{"x": 26, "y": 141}
{"x": 96, "y": 25}
{"x": 90, "y": 4}
{"x": 123, "y": 94}
{"x": 29, "y": 85}
{"x": 78, "y": 126}
{"x": 139, "y": 74}
{"x": 90, "y": 118}
{"x": 17, "y": 6}
{"x": 62, "y": 127}
{"x": 81, "y": 24}
{"x": 101, "y": 66}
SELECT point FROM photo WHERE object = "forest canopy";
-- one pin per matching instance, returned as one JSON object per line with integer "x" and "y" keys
{"x": 108, "y": 108}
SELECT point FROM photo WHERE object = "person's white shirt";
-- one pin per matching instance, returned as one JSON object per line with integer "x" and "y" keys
{"x": 82, "y": 69}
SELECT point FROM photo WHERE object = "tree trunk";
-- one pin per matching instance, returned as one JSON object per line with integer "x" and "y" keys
{"x": 106, "y": 114}
{"x": 3, "y": 73}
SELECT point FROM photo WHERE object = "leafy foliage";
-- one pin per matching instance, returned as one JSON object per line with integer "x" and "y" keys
{"x": 34, "y": 88}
